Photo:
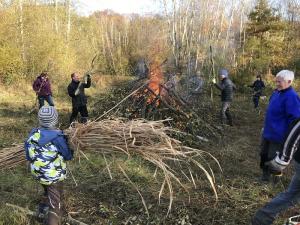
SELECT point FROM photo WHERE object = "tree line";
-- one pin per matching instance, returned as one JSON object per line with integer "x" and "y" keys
{"x": 247, "y": 37}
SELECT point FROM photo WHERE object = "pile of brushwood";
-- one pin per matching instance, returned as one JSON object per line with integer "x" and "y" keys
{"x": 196, "y": 120}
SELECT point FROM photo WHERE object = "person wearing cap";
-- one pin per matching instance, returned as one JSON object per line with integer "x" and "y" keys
{"x": 257, "y": 87}
{"x": 47, "y": 150}
{"x": 226, "y": 86}
{"x": 281, "y": 136}
{"x": 79, "y": 99}
{"x": 42, "y": 88}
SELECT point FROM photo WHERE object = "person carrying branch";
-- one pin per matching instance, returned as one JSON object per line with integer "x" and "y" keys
{"x": 42, "y": 88}
{"x": 47, "y": 150}
{"x": 281, "y": 137}
{"x": 79, "y": 99}
{"x": 227, "y": 87}
{"x": 257, "y": 87}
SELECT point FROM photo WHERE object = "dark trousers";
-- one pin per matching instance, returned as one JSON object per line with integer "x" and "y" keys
{"x": 47, "y": 98}
{"x": 52, "y": 198}
{"x": 268, "y": 152}
{"x": 83, "y": 112}
{"x": 256, "y": 100}
{"x": 225, "y": 113}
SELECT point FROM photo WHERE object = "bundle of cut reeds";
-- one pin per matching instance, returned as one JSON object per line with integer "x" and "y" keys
{"x": 148, "y": 140}
{"x": 12, "y": 156}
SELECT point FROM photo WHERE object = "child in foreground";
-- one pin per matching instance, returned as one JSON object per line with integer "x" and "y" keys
{"x": 47, "y": 150}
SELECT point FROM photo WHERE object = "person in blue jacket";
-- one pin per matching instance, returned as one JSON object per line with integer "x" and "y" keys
{"x": 281, "y": 137}
{"x": 283, "y": 110}
{"x": 47, "y": 150}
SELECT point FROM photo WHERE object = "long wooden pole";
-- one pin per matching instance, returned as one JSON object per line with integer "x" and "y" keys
{"x": 212, "y": 73}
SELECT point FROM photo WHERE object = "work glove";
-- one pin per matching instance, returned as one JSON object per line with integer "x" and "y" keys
{"x": 77, "y": 92}
{"x": 276, "y": 166}
{"x": 214, "y": 81}
{"x": 86, "y": 77}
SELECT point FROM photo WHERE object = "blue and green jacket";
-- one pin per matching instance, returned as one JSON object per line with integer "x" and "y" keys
{"x": 47, "y": 151}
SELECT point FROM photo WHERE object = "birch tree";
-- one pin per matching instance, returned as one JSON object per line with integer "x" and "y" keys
{"x": 68, "y": 9}
{"x": 21, "y": 27}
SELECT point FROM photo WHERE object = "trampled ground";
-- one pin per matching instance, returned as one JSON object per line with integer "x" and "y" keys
{"x": 97, "y": 199}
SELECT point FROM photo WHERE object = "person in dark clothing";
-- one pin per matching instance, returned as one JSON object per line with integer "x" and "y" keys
{"x": 79, "y": 99}
{"x": 257, "y": 87}
{"x": 42, "y": 88}
{"x": 282, "y": 133}
{"x": 226, "y": 86}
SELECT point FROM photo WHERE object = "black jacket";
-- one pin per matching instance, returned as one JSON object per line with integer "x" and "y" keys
{"x": 292, "y": 144}
{"x": 258, "y": 87}
{"x": 80, "y": 99}
{"x": 226, "y": 86}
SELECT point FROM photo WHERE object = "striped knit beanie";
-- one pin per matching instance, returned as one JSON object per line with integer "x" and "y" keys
{"x": 48, "y": 116}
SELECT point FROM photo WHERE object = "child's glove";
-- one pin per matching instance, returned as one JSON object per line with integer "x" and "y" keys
{"x": 276, "y": 166}
{"x": 214, "y": 81}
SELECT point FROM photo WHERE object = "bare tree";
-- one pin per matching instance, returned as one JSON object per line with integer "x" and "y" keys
{"x": 56, "y": 16}
{"x": 68, "y": 7}
{"x": 21, "y": 27}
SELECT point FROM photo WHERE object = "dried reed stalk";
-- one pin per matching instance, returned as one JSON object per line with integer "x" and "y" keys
{"x": 12, "y": 156}
{"x": 148, "y": 140}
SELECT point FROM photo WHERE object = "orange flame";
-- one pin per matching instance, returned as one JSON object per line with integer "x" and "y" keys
{"x": 155, "y": 80}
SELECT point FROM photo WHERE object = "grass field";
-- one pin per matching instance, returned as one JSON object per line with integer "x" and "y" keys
{"x": 94, "y": 198}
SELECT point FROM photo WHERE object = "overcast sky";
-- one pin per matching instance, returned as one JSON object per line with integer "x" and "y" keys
{"x": 86, "y": 7}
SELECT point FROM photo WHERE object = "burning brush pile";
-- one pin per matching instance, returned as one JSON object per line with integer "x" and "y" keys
{"x": 174, "y": 164}
{"x": 156, "y": 98}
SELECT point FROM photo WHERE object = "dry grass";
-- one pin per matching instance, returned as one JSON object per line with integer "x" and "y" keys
{"x": 148, "y": 140}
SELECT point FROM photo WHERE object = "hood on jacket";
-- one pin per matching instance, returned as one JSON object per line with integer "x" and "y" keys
{"x": 47, "y": 136}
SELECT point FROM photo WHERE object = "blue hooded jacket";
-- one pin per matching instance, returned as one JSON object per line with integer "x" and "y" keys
{"x": 47, "y": 151}
{"x": 57, "y": 138}
{"x": 283, "y": 109}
